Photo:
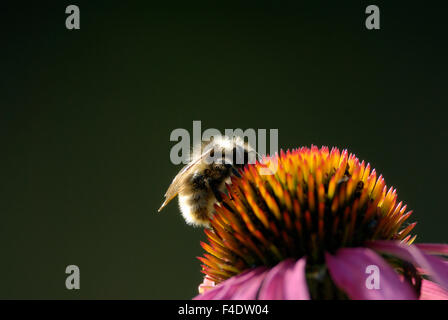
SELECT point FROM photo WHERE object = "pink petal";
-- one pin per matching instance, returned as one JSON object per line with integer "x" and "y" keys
{"x": 244, "y": 286}
{"x": 348, "y": 270}
{"x": 294, "y": 282}
{"x": 273, "y": 285}
{"x": 436, "y": 268}
{"x": 432, "y": 291}
{"x": 272, "y": 288}
{"x": 249, "y": 290}
{"x": 210, "y": 294}
{"x": 286, "y": 281}
{"x": 206, "y": 285}
{"x": 435, "y": 248}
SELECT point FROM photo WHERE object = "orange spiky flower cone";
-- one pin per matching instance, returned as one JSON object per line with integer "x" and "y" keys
{"x": 316, "y": 205}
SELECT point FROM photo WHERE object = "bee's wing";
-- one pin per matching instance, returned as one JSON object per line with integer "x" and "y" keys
{"x": 179, "y": 180}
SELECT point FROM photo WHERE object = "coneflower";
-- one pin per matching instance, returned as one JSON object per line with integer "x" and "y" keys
{"x": 315, "y": 229}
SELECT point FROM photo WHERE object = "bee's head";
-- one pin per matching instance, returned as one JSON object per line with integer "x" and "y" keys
{"x": 231, "y": 153}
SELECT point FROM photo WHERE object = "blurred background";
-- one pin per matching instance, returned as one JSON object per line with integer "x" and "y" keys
{"x": 86, "y": 117}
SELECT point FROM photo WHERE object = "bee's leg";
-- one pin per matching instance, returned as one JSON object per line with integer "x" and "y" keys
{"x": 215, "y": 190}
{"x": 227, "y": 207}
{"x": 235, "y": 172}
{"x": 218, "y": 197}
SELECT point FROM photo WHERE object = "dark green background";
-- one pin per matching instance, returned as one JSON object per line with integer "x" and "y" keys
{"x": 86, "y": 118}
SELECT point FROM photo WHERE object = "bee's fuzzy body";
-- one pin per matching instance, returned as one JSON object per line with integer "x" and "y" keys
{"x": 200, "y": 183}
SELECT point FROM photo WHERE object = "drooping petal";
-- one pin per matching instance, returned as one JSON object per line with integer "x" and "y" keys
{"x": 294, "y": 282}
{"x": 250, "y": 289}
{"x": 272, "y": 288}
{"x": 286, "y": 281}
{"x": 244, "y": 286}
{"x": 434, "y": 248}
{"x": 349, "y": 270}
{"x": 436, "y": 268}
{"x": 432, "y": 291}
